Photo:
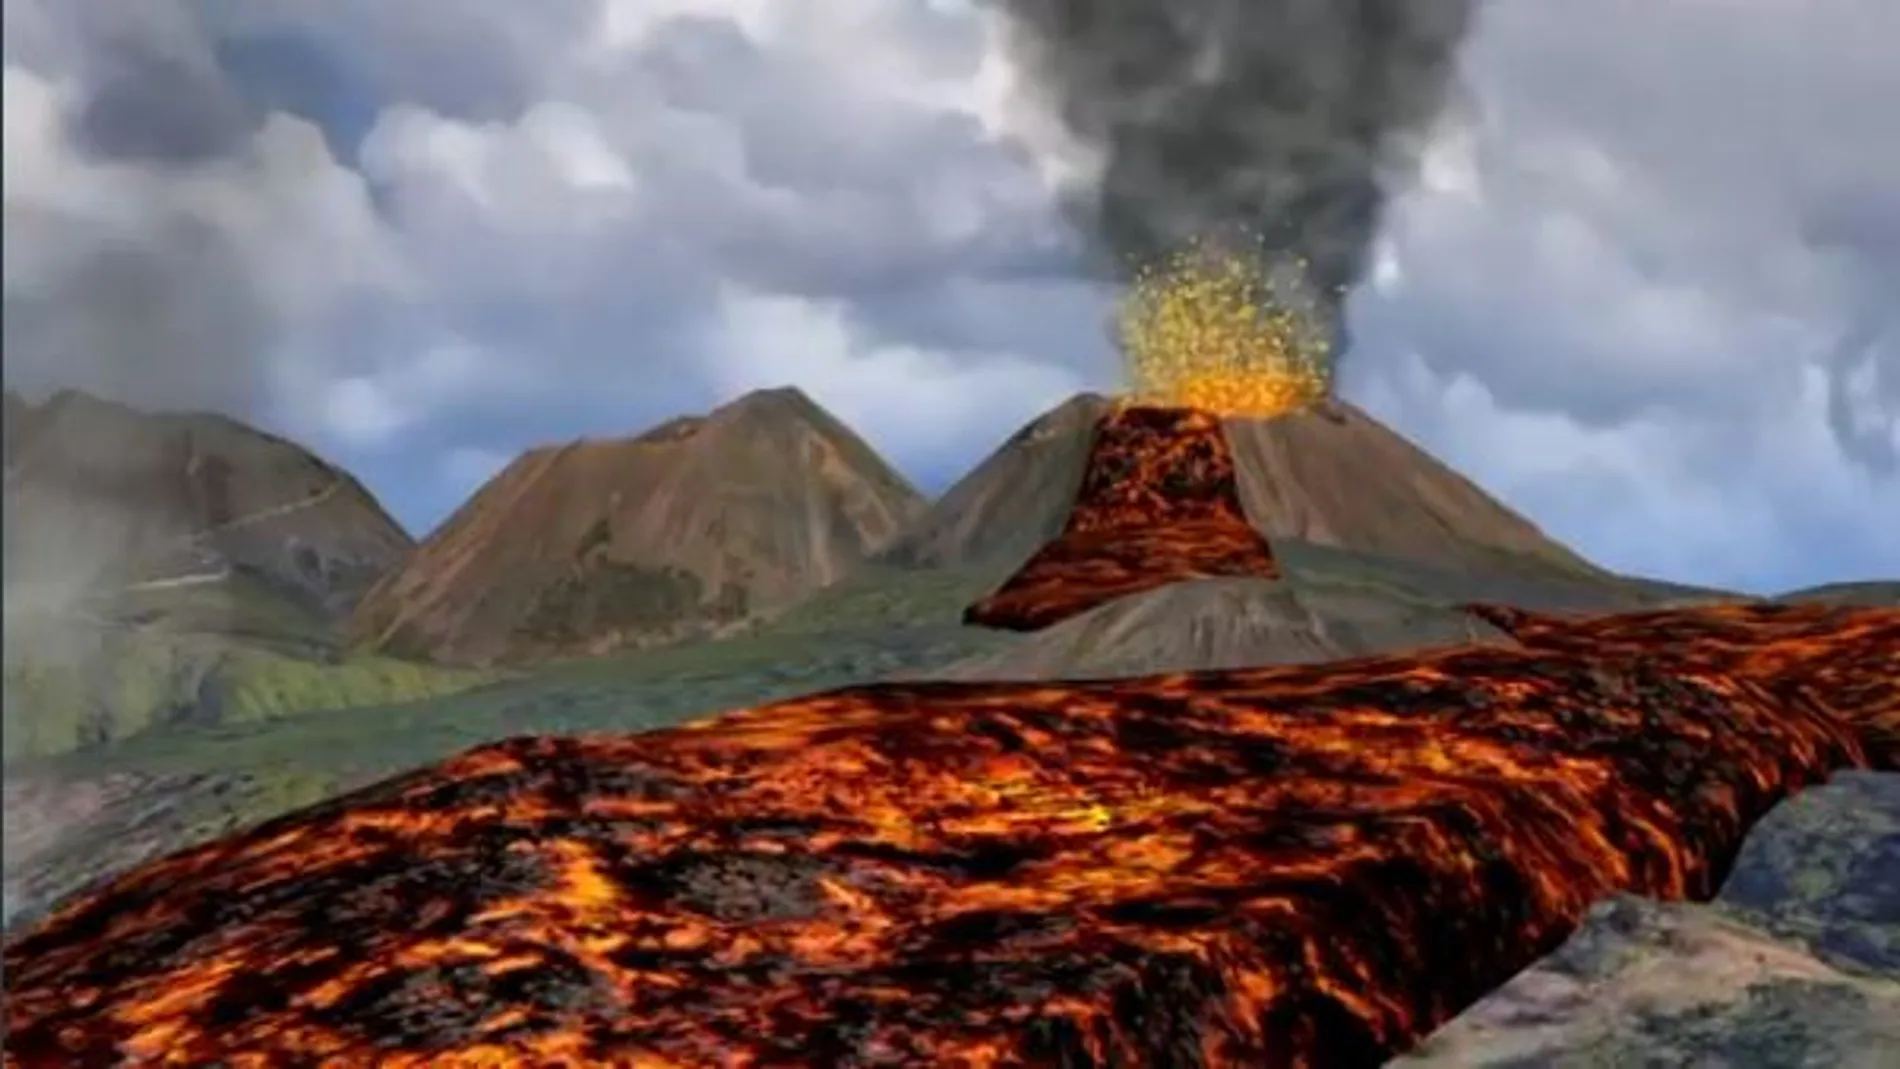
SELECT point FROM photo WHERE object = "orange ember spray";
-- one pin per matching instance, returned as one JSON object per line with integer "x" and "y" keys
{"x": 1219, "y": 328}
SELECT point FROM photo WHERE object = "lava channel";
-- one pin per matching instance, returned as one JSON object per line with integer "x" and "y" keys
{"x": 1308, "y": 866}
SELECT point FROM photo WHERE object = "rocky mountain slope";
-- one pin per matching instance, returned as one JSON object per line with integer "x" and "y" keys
{"x": 179, "y": 569}
{"x": 1012, "y": 502}
{"x": 101, "y": 497}
{"x": 1225, "y": 623}
{"x": 1333, "y": 475}
{"x": 1330, "y": 475}
{"x": 686, "y": 529}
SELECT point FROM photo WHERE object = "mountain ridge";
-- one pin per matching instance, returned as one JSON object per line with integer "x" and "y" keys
{"x": 680, "y": 530}
{"x": 101, "y": 496}
{"x": 1329, "y": 475}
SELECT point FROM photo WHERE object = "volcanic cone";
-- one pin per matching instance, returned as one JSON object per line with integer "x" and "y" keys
{"x": 1159, "y": 503}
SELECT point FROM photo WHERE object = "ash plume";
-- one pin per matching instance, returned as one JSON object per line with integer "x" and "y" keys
{"x": 1277, "y": 121}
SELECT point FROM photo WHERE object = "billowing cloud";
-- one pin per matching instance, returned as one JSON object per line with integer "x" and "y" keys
{"x": 1643, "y": 287}
{"x": 1646, "y": 283}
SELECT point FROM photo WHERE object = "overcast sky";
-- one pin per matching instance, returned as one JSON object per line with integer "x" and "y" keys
{"x": 1645, "y": 287}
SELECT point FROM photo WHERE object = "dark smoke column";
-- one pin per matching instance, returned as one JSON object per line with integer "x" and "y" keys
{"x": 1275, "y": 119}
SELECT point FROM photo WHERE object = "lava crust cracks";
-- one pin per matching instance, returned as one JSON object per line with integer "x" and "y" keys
{"x": 1846, "y": 660}
{"x": 1280, "y": 867}
{"x": 1159, "y": 503}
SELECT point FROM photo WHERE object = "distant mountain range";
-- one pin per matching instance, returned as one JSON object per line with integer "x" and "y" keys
{"x": 180, "y": 568}
{"x": 167, "y": 567}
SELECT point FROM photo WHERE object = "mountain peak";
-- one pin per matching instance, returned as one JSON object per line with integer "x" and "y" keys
{"x": 100, "y": 494}
{"x": 1330, "y": 475}
{"x": 684, "y": 529}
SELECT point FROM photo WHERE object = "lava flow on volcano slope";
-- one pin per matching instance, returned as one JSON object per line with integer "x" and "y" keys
{"x": 1159, "y": 503}
{"x": 1278, "y": 867}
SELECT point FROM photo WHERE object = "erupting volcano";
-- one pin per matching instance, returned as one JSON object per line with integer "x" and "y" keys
{"x": 1209, "y": 334}
{"x": 1289, "y": 867}
{"x": 1159, "y": 503}
{"x": 1218, "y": 328}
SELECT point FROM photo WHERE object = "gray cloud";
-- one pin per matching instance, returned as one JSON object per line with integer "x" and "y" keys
{"x": 1631, "y": 289}
{"x": 1644, "y": 287}
{"x": 151, "y": 107}
{"x": 145, "y": 298}
{"x": 169, "y": 319}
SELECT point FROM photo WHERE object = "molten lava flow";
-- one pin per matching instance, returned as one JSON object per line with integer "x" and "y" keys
{"x": 1222, "y": 328}
{"x": 1844, "y": 661}
{"x": 1291, "y": 867}
{"x": 1159, "y": 503}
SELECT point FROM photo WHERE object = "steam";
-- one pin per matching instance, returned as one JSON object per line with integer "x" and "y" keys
{"x": 1280, "y": 122}
{"x": 127, "y": 277}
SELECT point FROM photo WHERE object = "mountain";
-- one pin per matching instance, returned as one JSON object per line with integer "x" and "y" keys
{"x": 690, "y": 527}
{"x": 1158, "y": 504}
{"x": 1014, "y": 501}
{"x": 103, "y": 500}
{"x": 179, "y": 570}
{"x": 1330, "y": 475}
{"x": 1870, "y": 593}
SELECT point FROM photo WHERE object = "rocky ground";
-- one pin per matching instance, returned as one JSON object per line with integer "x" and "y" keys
{"x": 1795, "y": 964}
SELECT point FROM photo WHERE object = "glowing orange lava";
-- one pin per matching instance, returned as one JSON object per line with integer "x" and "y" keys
{"x": 1159, "y": 503}
{"x": 1306, "y": 867}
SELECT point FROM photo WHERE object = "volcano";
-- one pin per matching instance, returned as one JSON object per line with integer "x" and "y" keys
{"x": 675, "y": 533}
{"x": 1158, "y": 504}
{"x": 1328, "y": 475}
{"x": 1172, "y": 494}
{"x": 1332, "y": 475}
{"x": 1262, "y": 868}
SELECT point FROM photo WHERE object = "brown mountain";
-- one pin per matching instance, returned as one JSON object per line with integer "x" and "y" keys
{"x": 104, "y": 498}
{"x": 1329, "y": 476}
{"x": 1015, "y": 500}
{"x": 690, "y": 527}
{"x": 1332, "y": 475}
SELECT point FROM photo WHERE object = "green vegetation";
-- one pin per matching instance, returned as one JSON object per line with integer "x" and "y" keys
{"x": 131, "y": 682}
{"x": 611, "y": 596}
{"x": 225, "y": 734}
{"x": 882, "y": 596}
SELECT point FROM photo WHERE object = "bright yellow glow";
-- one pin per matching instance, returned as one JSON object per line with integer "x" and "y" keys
{"x": 1210, "y": 328}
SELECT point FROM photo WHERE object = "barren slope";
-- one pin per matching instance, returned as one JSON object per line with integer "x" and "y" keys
{"x": 1202, "y": 624}
{"x": 1014, "y": 501}
{"x": 684, "y": 529}
{"x": 1333, "y": 475}
{"x": 101, "y": 495}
